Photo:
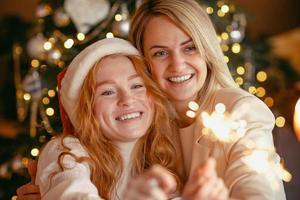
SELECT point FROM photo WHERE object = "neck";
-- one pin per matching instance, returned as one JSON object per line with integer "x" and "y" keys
{"x": 126, "y": 149}
{"x": 126, "y": 154}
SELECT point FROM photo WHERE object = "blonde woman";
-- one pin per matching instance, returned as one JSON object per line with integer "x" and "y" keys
{"x": 180, "y": 44}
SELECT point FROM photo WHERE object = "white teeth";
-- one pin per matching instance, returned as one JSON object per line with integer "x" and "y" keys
{"x": 179, "y": 79}
{"x": 129, "y": 116}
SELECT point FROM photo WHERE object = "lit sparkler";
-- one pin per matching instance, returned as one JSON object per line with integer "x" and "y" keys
{"x": 224, "y": 127}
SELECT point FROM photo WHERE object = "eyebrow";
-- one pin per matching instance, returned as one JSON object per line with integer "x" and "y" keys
{"x": 134, "y": 76}
{"x": 181, "y": 44}
{"x": 112, "y": 82}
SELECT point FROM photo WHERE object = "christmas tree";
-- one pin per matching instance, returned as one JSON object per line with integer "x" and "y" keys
{"x": 65, "y": 27}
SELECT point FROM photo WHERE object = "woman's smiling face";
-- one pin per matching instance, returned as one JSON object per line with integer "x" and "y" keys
{"x": 175, "y": 61}
{"x": 122, "y": 106}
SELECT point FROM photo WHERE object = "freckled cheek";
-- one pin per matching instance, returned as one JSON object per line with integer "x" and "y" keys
{"x": 101, "y": 109}
{"x": 145, "y": 100}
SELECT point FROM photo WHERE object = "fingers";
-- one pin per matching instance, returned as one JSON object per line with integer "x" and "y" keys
{"x": 164, "y": 178}
{"x": 32, "y": 168}
{"x": 144, "y": 189}
{"x": 205, "y": 184}
{"x": 200, "y": 177}
{"x": 28, "y": 192}
{"x": 155, "y": 184}
{"x": 220, "y": 192}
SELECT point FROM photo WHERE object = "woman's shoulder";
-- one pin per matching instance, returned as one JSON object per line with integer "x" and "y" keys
{"x": 231, "y": 96}
{"x": 59, "y": 144}
{"x": 243, "y": 104}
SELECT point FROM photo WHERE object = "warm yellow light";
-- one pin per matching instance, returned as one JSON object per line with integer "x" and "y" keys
{"x": 209, "y": 10}
{"x": 225, "y": 8}
{"x": 222, "y": 125}
{"x": 14, "y": 197}
{"x": 220, "y": 13}
{"x": 118, "y": 17}
{"x": 109, "y": 35}
{"x": 18, "y": 50}
{"x": 260, "y": 92}
{"x": 46, "y": 100}
{"x": 220, "y": 108}
{"x": 261, "y": 76}
{"x": 80, "y": 36}
{"x": 280, "y": 121}
{"x": 50, "y": 111}
{"x": 224, "y": 36}
{"x": 297, "y": 119}
{"x": 240, "y": 70}
{"x": 269, "y": 101}
{"x": 47, "y": 46}
{"x": 27, "y": 96}
{"x": 34, "y": 152}
{"x": 52, "y": 39}
{"x": 225, "y": 47}
{"x": 61, "y": 64}
{"x": 69, "y": 43}
{"x": 239, "y": 80}
{"x": 236, "y": 48}
{"x": 226, "y": 59}
{"x": 193, "y": 106}
{"x": 25, "y": 161}
{"x": 191, "y": 114}
{"x": 252, "y": 90}
{"x": 35, "y": 63}
{"x": 51, "y": 93}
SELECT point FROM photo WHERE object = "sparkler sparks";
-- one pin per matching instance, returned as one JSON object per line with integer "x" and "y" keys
{"x": 227, "y": 127}
{"x": 220, "y": 124}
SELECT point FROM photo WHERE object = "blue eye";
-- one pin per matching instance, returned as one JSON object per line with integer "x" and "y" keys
{"x": 107, "y": 93}
{"x": 160, "y": 53}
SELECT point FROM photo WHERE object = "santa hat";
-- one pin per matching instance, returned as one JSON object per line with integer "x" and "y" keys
{"x": 70, "y": 80}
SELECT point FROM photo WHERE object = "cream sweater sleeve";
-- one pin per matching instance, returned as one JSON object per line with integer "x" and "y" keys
{"x": 73, "y": 183}
{"x": 243, "y": 182}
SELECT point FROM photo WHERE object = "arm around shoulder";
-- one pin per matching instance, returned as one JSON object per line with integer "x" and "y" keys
{"x": 71, "y": 183}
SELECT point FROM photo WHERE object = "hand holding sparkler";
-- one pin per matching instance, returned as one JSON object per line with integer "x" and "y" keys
{"x": 205, "y": 184}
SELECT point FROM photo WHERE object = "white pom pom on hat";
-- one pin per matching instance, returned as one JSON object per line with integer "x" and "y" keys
{"x": 80, "y": 66}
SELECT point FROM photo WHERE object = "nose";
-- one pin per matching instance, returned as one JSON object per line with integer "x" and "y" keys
{"x": 177, "y": 62}
{"x": 126, "y": 98}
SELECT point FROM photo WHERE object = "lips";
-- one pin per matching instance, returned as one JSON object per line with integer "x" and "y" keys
{"x": 180, "y": 79}
{"x": 129, "y": 116}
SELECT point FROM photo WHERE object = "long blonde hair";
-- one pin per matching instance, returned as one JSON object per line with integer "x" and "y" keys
{"x": 192, "y": 19}
{"x": 160, "y": 145}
